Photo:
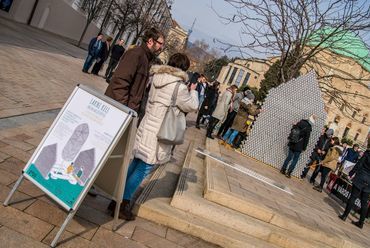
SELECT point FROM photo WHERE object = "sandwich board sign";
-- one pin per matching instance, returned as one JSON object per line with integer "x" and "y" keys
{"x": 77, "y": 146}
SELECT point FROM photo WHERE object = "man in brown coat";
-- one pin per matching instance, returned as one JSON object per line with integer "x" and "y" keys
{"x": 130, "y": 78}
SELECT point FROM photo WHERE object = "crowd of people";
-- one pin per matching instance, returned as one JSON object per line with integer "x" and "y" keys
{"x": 331, "y": 156}
{"x": 137, "y": 80}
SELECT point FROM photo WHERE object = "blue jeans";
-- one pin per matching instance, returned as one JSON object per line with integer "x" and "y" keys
{"x": 291, "y": 155}
{"x": 201, "y": 99}
{"x": 88, "y": 62}
{"x": 230, "y": 135}
{"x": 136, "y": 173}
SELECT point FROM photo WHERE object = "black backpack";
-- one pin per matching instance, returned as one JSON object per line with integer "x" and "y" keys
{"x": 295, "y": 135}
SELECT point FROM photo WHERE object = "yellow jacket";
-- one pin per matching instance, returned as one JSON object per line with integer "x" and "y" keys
{"x": 331, "y": 158}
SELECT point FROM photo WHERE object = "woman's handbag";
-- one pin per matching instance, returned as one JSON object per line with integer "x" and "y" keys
{"x": 172, "y": 129}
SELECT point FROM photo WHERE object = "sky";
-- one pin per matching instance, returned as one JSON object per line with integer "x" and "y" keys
{"x": 208, "y": 25}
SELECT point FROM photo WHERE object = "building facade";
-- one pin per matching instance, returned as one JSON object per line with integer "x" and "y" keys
{"x": 344, "y": 82}
{"x": 67, "y": 18}
{"x": 244, "y": 72}
{"x": 175, "y": 41}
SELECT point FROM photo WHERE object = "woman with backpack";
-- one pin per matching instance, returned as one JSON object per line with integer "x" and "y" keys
{"x": 298, "y": 141}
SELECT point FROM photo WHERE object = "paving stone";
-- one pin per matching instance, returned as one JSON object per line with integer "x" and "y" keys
{"x": 127, "y": 228}
{"x": 56, "y": 216}
{"x": 29, "y": 188}
{"x": 151, "y": 240}
{"x": 186, "y": 240}
{"x": 69, "y": 240}
{"x": 20, "y": 137}
{"x": 24, "y": 223}
{"x": 18, "y": 144}
{"x": 16, "y": 152}
{"x": 106, "y": 238}
{"x": 10, "y": 238}
{"x": 3, "y": 156}
{"x": 2, "y": 144}
{"x": 19, "y": 200}
{"x": 7, "y": 178}
{"x": 13, "y": 165}
{"x": 34, "y": 141}
{"x": 93, "y": 215}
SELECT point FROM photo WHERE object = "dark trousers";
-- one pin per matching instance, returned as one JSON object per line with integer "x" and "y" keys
{"x": 212, "y": 124}
{"x": 227, "y": 123}
{"x": 294, "y": 156}
{"x": 97, "y": 66}
{"x": 111, "y": 66}
{"x": 314, "y": 158}
{"x": 364, "y": 196}
{"x": 324, "y": 173}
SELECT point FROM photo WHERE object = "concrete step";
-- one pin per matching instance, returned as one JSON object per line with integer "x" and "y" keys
{"x": 154, "y": 204}
{"x": 217, "y": 190}
{"x": 189, "y": 198}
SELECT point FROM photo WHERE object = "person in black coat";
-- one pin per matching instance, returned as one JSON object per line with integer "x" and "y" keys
{"x": 116, "y": 54}
{"x": 102, "y": 56}
{"x": 321, "y": 148}
{"x": 209, "y": 102}
{"x": 360, "y": 188}
{"x": 296, "y": 148}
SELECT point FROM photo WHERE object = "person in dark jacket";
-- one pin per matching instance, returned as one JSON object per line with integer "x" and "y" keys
{"x": 295, "y": 149}
{"x": 360, "y": 188}
{"x": 321, "y": 148}
{"x": 102, "y": 57}
{"x": 116, "y": 54}
{"x": 209, "y": 102}
{"x": 129, "y": 81}
{"x": 95, "y": 46}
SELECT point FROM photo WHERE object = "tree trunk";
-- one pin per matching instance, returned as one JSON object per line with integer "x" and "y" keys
{"x": 83, "y": 33}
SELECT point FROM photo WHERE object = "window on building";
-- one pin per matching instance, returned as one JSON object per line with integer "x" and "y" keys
{"x": 356, "y": 136}
{"x": 363, "y": 120}
{"x": 354, "y": 114}
{"x": 245, "y": 81}
{"x": 346, "y": 131}
{"x": 228, "y": 72}
{"x": 239, "y": 77}
{"x": 342, "y": 107}
{"x": 231, "y": 79}
{"x": 331, "y": 99}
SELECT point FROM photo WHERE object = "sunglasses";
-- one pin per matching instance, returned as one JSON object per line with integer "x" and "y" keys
{"x": 160, "y": 43}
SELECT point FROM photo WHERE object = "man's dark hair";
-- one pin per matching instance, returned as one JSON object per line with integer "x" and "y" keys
{"x": 356, "y": 145}
{"x": 153, "y": 33}
{"x": 179, "y": 60}
{"x": 336, "y": 141}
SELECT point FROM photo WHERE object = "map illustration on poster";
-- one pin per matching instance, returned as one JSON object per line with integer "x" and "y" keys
{"x": 75, "y": 146}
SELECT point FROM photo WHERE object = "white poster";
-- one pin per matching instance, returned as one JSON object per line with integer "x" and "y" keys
{"x": 75, "y": 146}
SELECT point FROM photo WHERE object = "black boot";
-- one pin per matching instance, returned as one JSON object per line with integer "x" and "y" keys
{"x": 317, "y": 188}
{"x": 282, "y": 171}
{"x": 358, "y": 224}
{"x": 342, "y": 217}
{"x": 125, "y": 211}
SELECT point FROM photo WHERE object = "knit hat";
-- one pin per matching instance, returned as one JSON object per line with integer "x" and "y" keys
{"x": 329, "y": 132}
{"x": 312, "y": 119}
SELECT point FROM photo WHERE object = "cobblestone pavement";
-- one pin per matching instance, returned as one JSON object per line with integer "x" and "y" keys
{"x": 37, "y": 75}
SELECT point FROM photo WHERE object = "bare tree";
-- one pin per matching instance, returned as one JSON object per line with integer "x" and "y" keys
{"x": 148, "y": 14}
{"x": 93, "y": 10}
{"x": 296, "y": 31}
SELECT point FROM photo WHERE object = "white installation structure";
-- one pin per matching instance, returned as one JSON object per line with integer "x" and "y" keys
{"x": 284, "y": 106}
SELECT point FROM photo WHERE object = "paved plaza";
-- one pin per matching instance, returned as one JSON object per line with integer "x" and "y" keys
{"x": 38, "y": 72}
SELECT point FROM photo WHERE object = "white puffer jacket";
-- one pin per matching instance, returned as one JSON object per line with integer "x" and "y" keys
{"x": 147, "y": 147}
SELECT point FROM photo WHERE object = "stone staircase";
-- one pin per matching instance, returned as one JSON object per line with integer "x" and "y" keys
{"x": 196, "y": 199}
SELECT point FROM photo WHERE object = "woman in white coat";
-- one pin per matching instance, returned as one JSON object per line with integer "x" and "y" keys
{"x": 147, "y": 150}
{"x": 222, "y": 108}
